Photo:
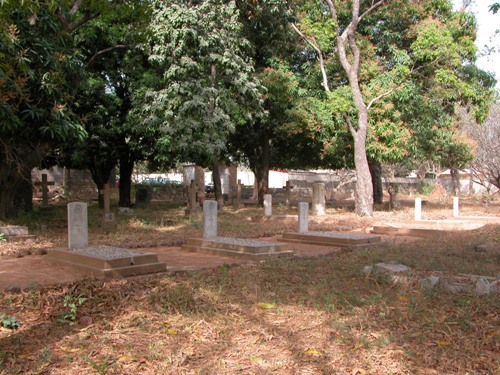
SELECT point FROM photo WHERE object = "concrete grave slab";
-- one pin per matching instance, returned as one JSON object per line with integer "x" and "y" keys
{"x": 425, "y": 228}
{"x": 107, "y": 261}
{"x": 335, "y": 239}
{"x": 237, "y": 248}
{"x": 15, "y": 233}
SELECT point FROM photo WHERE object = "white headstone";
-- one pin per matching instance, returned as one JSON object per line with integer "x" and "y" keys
{"x": 303, "y": 217}
{"x": 78, "y": 232}
{"x": 455, "y": 206}
{"x": 318, "y": 199}
{"x": 268, "y": 205}
{"x": 418, "y": 208}
{"x": 209, "y": 219}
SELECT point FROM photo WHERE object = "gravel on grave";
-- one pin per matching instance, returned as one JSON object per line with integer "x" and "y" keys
{"x": 106, "y": 252}
{"x": 340, "y": 235}
{"x": 241, "y": 241}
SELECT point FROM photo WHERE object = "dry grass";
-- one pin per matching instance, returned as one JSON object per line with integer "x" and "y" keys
{"x": 294, "y": 316}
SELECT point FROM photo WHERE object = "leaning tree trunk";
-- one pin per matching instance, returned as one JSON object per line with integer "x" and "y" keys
{"x": 376, "y": 175}
{"x": 364, "y": 188}
{"x": 125, "y": 184}
{"x": 217, "y": 183}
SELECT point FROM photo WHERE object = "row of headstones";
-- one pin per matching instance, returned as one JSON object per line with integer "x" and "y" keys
{"x": 318, "y": 201}
{"x": 210, "y": 218}
{"x": 78, "y": 236}
{"x": 418, "y": 208}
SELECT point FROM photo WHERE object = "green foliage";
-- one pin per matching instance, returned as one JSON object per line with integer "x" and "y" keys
{"x": 425, "y": 188}
{"x": 101, "y": 367}
{"x": 73, "y": 303}
{"x": 208, "y": 86}
{"x": 8, "y": 321}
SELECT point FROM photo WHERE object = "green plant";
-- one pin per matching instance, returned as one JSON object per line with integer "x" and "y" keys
{"x": 425, "y": 188}
{"x": 9, "y": 321}
{"x": 2, "y": 237}
{"x": 101, "y": 367}
{"x": 73, "y": 303}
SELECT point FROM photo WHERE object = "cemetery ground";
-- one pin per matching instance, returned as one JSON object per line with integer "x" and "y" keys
{"x": 301, "y": 315}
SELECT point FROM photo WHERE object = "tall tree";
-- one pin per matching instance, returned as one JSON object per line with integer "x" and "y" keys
{"x": 115, "y": 66}
{"x": 390, "y": 51}
{"x": 37, "y": 75}
{"x": 208, "y": 86}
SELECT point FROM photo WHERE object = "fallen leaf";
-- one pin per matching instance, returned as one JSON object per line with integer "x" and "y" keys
{"x": 172, "y": 331}
{"x": 313, "y": 353}
{"x": 69, "y": 350}
{"x": 403, "y": 298}
{"x": 443, "y": 343}
{"x": 264, "y": 305}
{"x": 126, "y": 358}
{"x": 257, "y": 360}
{"x": 492, "y": 334}
{"x": 358, "y": 371}
{"x": 26, "y": 356}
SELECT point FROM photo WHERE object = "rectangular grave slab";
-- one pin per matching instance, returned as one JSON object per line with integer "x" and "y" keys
{"x": 108, "y": 261}
{"x": 424, "y": 229}
{"x": 237, "y": 248}
{"x": 334, "y": 239}
{"x": 14, "y": 230}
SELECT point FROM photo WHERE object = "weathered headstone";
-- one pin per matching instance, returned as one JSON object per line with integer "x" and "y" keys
{"x": 209, "y": 219}
{"x": 45, "y": 189}
{"x": 78, "y": 234}
{"x": 192, "y": 206}
{"x": 288, "y": 192}
{"x": 303, "y": 217}
{"x": 108, "y": 215}
{"x": 268, "y": 205}
{"x": 237, "y": 204}
{"x": 318, "y": 199}
{"x": 418, "y": 208}
{"x": 455, "y": 206}
{"x": 143, "y": 197}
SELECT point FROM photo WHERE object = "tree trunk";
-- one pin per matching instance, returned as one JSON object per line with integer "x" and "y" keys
{"x": 376, "y": 175}
{"x": 100, "y": 176}
{"x": 261, "y": 170}
{"x": 364, "y": 187}
{"x": 125, "y": 183}
{"x": 217, "y": 183}
{"x": 455, "y": 180}
{"x": 16, "y": 191}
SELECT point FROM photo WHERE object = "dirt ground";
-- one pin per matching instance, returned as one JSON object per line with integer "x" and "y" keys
{"x": 33, "y": 270}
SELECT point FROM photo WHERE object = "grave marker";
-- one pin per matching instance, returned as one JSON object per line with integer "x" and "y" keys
{"x": 237, "y": 204}
{"x": 288, "y": 192}
{"x": 455, "y": 206}
{"x": 268, "y": 205}
{"x": 108, "y": 215}
{"x": 318, "y": 199}
{"x": 303, "y": 217}
{"x": 192, "y": 206}
{"x": 78, "y": 234}
{"x": 418, "y": 208}
{"x": 209, "y": 219}
{"x": 45, "y": 188}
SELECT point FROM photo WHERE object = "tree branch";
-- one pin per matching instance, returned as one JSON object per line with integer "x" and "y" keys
{"x": 106, "y": 50}
{"x": 347, "y": 119}
{"x": 320, "y": 56}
